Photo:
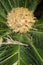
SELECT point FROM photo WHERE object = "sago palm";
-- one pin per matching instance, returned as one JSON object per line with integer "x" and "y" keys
{"x": 21, "y": 33}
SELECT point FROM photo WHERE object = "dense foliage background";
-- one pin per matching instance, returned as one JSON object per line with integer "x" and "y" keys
{"x": 16, "y": 54}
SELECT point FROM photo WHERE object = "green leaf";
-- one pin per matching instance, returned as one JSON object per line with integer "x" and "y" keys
{"x": 11, "y": 54}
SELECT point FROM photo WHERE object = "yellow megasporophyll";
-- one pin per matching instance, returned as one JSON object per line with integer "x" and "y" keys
{"x": 20, "y": 20}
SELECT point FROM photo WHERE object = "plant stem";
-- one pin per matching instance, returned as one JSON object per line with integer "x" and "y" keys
{"x": 19, "y": 55}
{"x": 34, "y": 48}
{"x": 36, "y": 52}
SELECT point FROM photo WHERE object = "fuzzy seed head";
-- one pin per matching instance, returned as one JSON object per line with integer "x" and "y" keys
{"x": 20, "y": 20}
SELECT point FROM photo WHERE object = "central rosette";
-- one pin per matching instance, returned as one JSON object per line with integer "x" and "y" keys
{"x": 20, "y": 20}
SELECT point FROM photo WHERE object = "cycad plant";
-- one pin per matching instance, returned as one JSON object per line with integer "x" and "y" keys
{"x": 21, "y": 33}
